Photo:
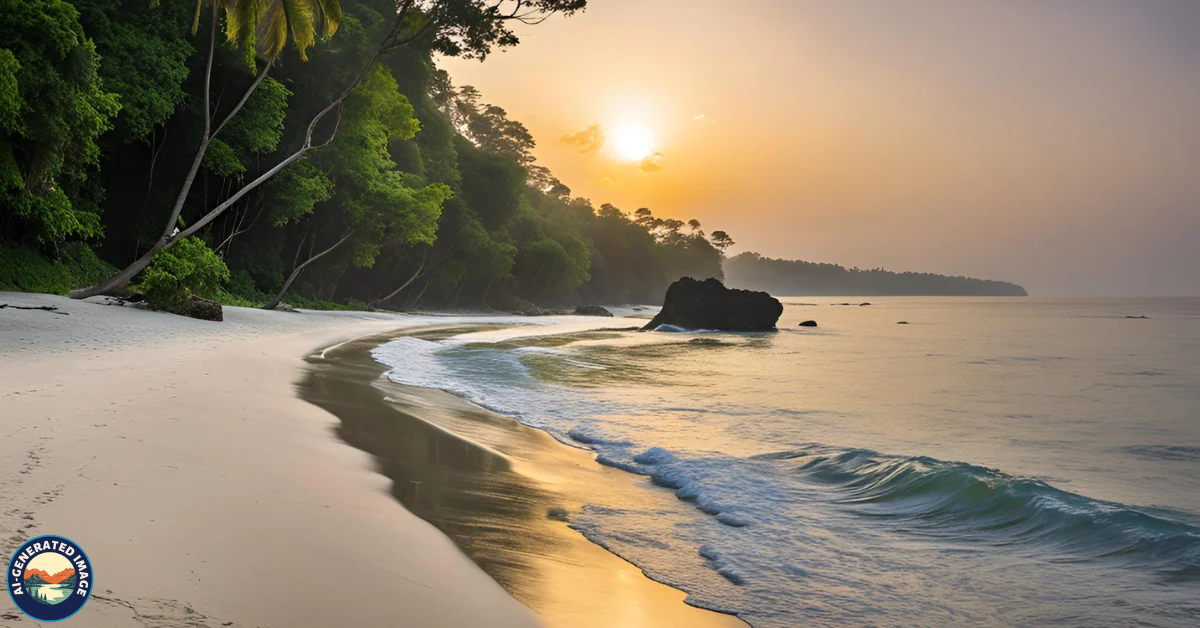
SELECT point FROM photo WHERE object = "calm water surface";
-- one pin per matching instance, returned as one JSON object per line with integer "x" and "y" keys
{"x": 992, "y": 462}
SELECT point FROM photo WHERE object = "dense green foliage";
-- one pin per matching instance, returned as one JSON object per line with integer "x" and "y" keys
{"x": 409, "y": 192}
{"x": 795, "y": 278}
{"x": 53, "y": 107}
{"x": 176, "y": 275}
{"x": 27, "y": 270}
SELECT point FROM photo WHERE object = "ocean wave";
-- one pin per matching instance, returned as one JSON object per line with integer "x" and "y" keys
{"x": 594, "y": 437}
{"x": 973, "y": 503}
{"x": 827, "y": 525}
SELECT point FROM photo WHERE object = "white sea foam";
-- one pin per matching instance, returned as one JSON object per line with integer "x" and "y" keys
{"x": 799, "y": 533}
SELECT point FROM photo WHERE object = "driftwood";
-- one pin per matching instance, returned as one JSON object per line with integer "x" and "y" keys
{"x": 47, "y": 308}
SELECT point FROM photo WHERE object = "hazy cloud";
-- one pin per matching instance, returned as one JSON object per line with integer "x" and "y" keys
{"x": 652, "y": 163}
{"x": 588, "y": 141}
{"x": 701, "y": 117}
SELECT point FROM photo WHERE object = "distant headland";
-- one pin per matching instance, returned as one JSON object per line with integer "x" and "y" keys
{"x": 752, "y": 271}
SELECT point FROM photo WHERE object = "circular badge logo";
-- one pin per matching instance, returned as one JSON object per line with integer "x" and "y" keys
{"x": 49, "y": 578}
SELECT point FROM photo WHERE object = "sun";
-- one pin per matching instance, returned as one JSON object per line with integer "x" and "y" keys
{"x": 632, "y": 142}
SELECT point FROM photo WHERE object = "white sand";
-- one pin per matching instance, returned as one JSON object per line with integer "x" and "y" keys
{"x": 203, "y": 491}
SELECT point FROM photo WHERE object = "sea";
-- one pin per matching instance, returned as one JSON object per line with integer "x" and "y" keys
{"x": 907, "y": 462}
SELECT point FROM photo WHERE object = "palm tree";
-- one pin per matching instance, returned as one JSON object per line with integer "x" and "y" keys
{"x": 264, "y": 26}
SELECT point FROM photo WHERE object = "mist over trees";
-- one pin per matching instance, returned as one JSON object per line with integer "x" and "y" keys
{"x": 313, "y": 156}
{"x": 796, "y": 278}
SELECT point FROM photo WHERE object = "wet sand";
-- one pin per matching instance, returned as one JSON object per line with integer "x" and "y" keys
{"x": 204, "y": 491}
{"x": 501, "y": 491}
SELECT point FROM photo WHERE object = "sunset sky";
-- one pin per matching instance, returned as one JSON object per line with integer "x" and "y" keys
{"x": 1056, "y": 145}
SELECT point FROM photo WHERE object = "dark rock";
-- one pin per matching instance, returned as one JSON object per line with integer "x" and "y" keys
{"x": 809, "y": 324}
{"x": 592, "y": 310}
{"x": 863, "y": 304}
{"x": 203, "y": 309}
{"x": 709, "y": 304}
{"x": 1143, "y": 316}
{"x": 901, "y": 322}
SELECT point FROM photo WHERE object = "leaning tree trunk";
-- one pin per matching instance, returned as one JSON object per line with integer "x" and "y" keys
{"x": 170, "y": 236}
{"x": 420, "y": 294}
{"x": 416, "y": 275}
{"x": 274, "y": 302}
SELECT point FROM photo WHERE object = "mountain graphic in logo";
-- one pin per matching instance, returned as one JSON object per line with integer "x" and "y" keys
{"x": 50, "y": 579}
{"x": 45, "y": 578}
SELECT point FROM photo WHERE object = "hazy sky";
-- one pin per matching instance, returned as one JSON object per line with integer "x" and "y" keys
{"x": 1055, "y": 144}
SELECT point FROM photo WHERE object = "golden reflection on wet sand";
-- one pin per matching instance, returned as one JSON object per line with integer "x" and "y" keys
{"x": 496, "y": 488}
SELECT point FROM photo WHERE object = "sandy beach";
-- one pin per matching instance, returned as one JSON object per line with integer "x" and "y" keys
{"x": 207, "y": 493}
{"x": 204, "y": 491}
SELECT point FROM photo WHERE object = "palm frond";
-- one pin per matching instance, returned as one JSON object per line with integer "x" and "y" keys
{"x": 299, "y": 15}
{"x": 241, "y": 19}
{"x": 196, "y": 17}
{"x": 327, "y": 16}
{"x": 263, "y": 27}
{"x": 272, "y": 31}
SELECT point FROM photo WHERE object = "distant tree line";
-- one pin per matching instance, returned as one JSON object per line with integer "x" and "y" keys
{"x": 308, "y": 152}
{"x": 796, "y": 278}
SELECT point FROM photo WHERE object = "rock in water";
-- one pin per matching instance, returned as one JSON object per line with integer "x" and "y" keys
{"x": 592, "y": 310}
{"x": 809, "y": 324}
{"x": 709, "y": 304}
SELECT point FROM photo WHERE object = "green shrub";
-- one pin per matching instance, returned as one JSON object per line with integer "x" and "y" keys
{"x": 241, "y": 291}
{"x": 305, "y": 303}
{"x": 85, "y": 267}
{"x": 187, "y": 269}
{"x": 226, "y": 297}
{"x": 26, "y": 270}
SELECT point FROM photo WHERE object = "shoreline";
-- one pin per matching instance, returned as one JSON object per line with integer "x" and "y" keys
{"x": 183, "y": 449}
{"x": 205, "y": 492}
{"x": 501, "y": 490}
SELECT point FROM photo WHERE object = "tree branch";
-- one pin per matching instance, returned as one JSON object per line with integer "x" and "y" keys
{"x": 274, "y": 302}
{"x": 245, "y": 97}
